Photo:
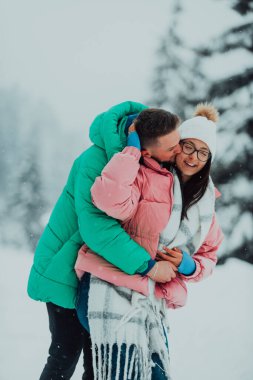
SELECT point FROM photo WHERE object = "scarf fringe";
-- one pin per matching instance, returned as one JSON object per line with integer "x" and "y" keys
{"x": 137, "y": 364}
{"x": 126, "y": 332}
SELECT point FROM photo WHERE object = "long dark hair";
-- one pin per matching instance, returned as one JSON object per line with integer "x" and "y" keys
{"x": 194, "y": 189}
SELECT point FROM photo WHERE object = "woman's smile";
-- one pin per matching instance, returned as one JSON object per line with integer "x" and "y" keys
{"x": 190, "y": 164}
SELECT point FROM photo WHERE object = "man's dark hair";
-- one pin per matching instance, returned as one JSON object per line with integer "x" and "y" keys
{"x": 153, "y": 123}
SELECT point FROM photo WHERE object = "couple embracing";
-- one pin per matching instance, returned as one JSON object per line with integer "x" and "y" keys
{"x": 139, "y": 208}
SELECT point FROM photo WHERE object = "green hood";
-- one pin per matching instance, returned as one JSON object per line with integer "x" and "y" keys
{"x": 108, "y": 129}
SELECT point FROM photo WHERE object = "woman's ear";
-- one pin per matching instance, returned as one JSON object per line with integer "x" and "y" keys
{"x": 145, "y": 153}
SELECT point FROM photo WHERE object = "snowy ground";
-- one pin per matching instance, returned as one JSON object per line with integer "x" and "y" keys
{"x": 211, "y": 338}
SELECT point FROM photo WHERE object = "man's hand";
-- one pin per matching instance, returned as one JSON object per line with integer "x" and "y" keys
{"x": 173, "y": 256}
{"x": 162, "y": 272}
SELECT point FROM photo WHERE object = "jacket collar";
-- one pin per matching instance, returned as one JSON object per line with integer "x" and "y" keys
{"x": 155, "y": 165}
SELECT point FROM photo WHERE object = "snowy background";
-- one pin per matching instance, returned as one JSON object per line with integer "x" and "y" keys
{"x": 61, "y": 63}
{"x": 211, "y": 338}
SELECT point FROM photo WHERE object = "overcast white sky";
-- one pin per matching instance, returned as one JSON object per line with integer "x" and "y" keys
{"x": 82, "y": 56}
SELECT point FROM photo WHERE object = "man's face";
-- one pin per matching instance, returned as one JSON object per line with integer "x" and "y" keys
{"x": 165, "y": 148}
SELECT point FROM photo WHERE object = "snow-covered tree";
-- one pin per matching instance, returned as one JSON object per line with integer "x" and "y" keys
{"x": 26, "y": 202}
{"x": 221, "y": 72}
{"x": 23, "y": 200}
{"x": 233, "y": 94}
{"x": 178, "y": 81}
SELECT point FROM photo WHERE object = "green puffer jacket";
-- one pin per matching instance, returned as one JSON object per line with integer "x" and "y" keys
{"x": 75, "y": 219}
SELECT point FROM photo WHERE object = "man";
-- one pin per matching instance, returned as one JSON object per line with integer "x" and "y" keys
{"x": 75, "y": 220}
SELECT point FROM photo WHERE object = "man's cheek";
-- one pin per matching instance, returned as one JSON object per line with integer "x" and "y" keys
{"x": 172, "y": 159}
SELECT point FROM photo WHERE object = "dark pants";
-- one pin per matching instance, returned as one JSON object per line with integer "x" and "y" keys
{"x": 68, "y": 340}
{"x": 82, "y": 311}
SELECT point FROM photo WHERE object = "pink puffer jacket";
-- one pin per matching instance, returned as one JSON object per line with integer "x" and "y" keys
{"x": 141, "y": 196}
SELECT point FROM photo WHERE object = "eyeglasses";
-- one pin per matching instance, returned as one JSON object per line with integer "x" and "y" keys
{"x": 190, "y": 149}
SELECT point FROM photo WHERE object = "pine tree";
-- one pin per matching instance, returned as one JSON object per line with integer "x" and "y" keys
{"x": 26, "y": 201}
{"x": 233, "y": 96}
{"x": 178, "y": 81}
{"x": 182, "y": 80}
{"x": 22, "y": 198}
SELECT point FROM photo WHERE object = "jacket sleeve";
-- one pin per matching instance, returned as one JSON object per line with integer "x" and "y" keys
{"x": 117, "y": 191}
{"x": 103, "y": 234}
{"x": 174, "y": 292}
{"x": 206, "y": 257}
{"x": 90, "y": 262}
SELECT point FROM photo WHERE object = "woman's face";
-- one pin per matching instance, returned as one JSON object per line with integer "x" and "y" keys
{"x": 187, "y": 161}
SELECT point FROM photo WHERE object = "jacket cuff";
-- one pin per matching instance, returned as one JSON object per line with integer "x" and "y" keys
{"x": 132, "y": 151}
{"x": 145, "y": 268}
{"x": 133, "y": 140}
{"x": 187, "y": 265}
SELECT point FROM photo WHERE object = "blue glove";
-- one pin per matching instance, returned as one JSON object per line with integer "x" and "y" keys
{"x": 187, "y": 265}
{"x": 129, "y": 121}
{"x": 133, "y": 140}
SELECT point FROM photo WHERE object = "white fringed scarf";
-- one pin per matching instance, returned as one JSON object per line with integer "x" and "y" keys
{"x": 120, "y": 316}
{"x": 123, "y": 317}
{"x": 189, "y": 234}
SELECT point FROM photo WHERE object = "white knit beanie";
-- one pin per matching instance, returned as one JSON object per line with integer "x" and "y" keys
{"x": 202, "y": 126}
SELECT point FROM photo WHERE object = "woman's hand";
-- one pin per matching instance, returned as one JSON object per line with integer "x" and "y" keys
{"x": 162, "y": 272}
{"x": 131, "y": 128}
{"x": 133, "y": 138}
{"x": 173, "y": 256}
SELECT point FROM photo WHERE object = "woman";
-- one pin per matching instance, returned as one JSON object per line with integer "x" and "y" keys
{"x": 139, "y": 348}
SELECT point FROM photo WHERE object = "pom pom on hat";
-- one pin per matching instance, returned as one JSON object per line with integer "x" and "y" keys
{"x": 202, "y": 126}
{"x": 207, "y": 110}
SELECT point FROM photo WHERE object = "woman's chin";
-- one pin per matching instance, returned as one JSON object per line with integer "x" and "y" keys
{"x": 189, "y": 173}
